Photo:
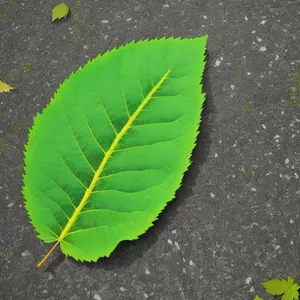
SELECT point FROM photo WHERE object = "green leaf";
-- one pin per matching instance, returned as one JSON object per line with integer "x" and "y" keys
{"x": 258, "y": 298}
{"x": 111, "y": 148}
{"x": 275, "y": 286}
{"x": 4, "y": 87}
{"x": 279, "y": 287}
{"x": 60, "y": 11}
{"x": 290, "y": 295}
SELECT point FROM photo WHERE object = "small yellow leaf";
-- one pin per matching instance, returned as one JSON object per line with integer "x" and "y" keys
{"x": 4, "y": 88}
{"x": 60, "y": 11}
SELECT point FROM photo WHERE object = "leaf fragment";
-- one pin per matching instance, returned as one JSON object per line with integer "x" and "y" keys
{"x": 60, "y": 11}
{"x": 258, "y": 298}
{"x": 290, "y": 295}
{"x": 4, "y": 87}
{"x": 277, "y": 287}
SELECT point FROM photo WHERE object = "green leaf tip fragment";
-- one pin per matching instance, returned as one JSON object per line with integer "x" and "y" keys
{"x": 287, "y": 288}
{"x": 110, "y": 149}
{"x": 258, "y": 298}
{"x": 4, "y": 87}
{"x": 60, "y": 11}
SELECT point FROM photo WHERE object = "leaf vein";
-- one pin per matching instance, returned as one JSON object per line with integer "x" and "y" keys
{"x": 90, "y": 228}
{"x": 164, "y": 122}
{"x": 79, "y": 147}
{"x": 56, "y": 204}
{"x": 147, "y": 145}
{"x": 51, "y": 230}
{"x": 69, "y": 198}
{"x": 116, "y": 190}
{"x": 106, "y": 209}
{"x": 124, "y": 98}
{"x": 138, "y": 78}
{"x": 150, "y": 72}
{"x": 54, "y": 218}
{"x": 72, "y": 245}
{"x": 91, "y": 130}
{"x": 106, "y": 113}
{"x": 71, "y": 170}
{"x": 126, "y": 171}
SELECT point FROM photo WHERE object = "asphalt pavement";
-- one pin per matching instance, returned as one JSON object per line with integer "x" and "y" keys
{"x": 235, "y": 220}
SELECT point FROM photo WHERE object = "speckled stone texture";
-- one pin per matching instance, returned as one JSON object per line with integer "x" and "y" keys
{"x": 235, "y": 221}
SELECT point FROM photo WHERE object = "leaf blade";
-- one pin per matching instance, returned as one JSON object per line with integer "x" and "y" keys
{"x": 276, "y": 286}
{"x": 60, "y": 11}
{"x": 167, "y": 144}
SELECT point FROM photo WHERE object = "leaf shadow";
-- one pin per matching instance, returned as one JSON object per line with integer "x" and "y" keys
{"x": 127, "y": 252}
{"x": 59, "y": 258}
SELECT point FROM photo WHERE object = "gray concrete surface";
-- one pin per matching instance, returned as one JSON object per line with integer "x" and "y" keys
{"x": 235, "y": 221}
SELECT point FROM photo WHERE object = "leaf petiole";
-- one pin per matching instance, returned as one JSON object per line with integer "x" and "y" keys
{"x": 47, "y": 256}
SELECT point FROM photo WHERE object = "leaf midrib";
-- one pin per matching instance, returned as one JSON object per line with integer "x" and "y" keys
{"x": 108, "y": 154}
